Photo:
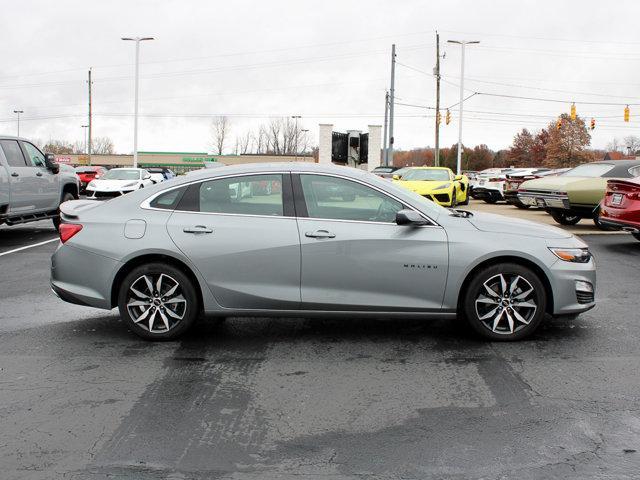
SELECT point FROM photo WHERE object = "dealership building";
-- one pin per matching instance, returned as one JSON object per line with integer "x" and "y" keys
{"x": 179, "y": 162}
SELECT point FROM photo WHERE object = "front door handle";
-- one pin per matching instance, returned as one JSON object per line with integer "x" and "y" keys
{"x": 15, "y": 174}
{"x": 39, "y": 174}
{"x": 320, "y": 234}
{"x": 197, "y": 229}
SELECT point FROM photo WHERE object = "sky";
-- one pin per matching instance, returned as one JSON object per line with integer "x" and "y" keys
{"x": 328, "y": 61}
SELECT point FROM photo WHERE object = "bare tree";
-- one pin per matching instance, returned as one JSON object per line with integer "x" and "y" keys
{"x": 615, "y": 145}
{"x": 244, "y": 143}
{"x": 220, "y": 127}
{"x": 632, "y": 143}
{"x": 102, "y": 146}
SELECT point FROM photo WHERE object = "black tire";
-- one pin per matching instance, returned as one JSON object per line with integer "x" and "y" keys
{"x": 466, "y": 199}
{"x": 564, "y": 218}
{"x": 601, "y": 226}
{"x": 454, "y": 198}
{"x": 521, "y": 206}
{"x": 528, "y": 286}
{"x": 66, "y": 196}
{"x": 490, "y": 200}
{"x": 188, "y": 311}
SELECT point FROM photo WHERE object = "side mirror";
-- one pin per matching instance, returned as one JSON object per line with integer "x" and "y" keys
{"x": 410, "y": 217}
{"x": 50, "y": 162}
{"x": 396, "y": 177}
{"x": 458, "y": 177}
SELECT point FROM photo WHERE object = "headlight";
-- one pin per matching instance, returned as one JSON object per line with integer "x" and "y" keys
{"x": 575, "y": 255}
{"x": 91, "y": 184}
{"x": 131, "y": 184}
{"x": 444, "y": 185}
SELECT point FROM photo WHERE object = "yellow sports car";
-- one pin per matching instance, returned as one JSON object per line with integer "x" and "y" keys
{"x": 439, "y": 184}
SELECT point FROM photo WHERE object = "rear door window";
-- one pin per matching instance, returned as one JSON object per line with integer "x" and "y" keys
{"x": 13, "y": 153}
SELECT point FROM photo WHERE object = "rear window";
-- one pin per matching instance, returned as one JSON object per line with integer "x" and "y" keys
{"x": 589, "y": 170}
{"x": 168, "y": 200}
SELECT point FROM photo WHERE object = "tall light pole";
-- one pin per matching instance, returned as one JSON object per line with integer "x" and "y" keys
{"x": 305, "y": 131}
{"x": 296, "y": 117}
{"x": 86, "y": 138}
{"x": 135, "y": 108}
{"x": 18, "y": 112}
{"x": 462, "y": 43}
{"x": 392, "y": 99}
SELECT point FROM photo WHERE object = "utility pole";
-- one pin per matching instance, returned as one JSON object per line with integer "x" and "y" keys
{"x": 437, "y": 75}
{"x": 389, "y": 159}
{"x": 88, "y": 142}
{"x": 18, "y": 112}
{"x": 386, "y": 125}
{"x": 295, "y": 148}
{"x": 86, "y": 137}
{"x": 462, "y": 43}
{"x": 135, "y": 101}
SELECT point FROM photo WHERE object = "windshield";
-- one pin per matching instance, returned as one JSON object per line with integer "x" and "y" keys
{"x": 383, "y": 169}
{"x": 425, "y": 175}
{"x": 589, "y": 170}
{"x": 122, "y": 175}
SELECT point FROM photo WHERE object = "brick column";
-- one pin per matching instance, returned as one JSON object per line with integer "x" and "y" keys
{"x": 375, "y": 144}
{"x": 324, "y": 144}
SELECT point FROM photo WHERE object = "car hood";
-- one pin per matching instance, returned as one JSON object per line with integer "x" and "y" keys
{"x": 489, "y": 222}
{"x": 112, "y": 185}
{"x": 420, "y": 185}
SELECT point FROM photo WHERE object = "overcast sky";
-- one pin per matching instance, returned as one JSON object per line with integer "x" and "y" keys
{"x": 326, "y": 60}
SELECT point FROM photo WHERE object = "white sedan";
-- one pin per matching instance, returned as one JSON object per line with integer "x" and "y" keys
{"x": 118, "y": 181}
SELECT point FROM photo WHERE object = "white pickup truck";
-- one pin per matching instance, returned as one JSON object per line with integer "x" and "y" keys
{"x": 32, "y": 187}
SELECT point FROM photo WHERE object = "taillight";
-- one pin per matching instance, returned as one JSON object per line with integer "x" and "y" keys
{"x": 495, "y": 180}
{"x": 68, "y": 230}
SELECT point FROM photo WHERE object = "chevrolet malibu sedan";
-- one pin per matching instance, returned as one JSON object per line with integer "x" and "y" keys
{"x": 167, "y": 254}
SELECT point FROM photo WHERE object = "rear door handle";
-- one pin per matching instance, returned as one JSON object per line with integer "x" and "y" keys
{"x": 320, "y": 234}
{"x": 197, "y": 229}
{"x": 15, "y": 174}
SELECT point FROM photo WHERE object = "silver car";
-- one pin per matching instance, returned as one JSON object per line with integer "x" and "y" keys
{"x": 308, "y": 240}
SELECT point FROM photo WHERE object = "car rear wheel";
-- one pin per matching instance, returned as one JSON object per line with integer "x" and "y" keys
{"x": 564, "y": 218}
{"x": 158, "y": 301}
{"x": 600, "y": 225}
{"x": 66, "y": 196}
{"x": 505, "y": 302}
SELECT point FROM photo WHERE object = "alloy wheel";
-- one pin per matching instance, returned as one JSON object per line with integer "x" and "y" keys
{"x": 156, "y": 303}
{"x": 506, "y": 303}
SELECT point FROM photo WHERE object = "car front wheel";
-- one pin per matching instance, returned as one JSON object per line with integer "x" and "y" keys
{"x": 158, "y": 301}
{"x": 564, "y": 218}
{"x": 505, "y": 302}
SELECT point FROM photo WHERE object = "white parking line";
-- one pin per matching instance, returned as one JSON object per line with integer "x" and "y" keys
{"x": 29, "y": 246}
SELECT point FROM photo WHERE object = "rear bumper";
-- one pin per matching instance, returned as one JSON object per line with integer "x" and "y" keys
{"x": 620, "y": 224}
{"x": 82, "y": 277}
{"x": 544, "y": 200}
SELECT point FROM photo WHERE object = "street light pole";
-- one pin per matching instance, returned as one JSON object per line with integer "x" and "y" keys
{"x": 18, "y": 112}
{"x": 462, "y": 43}
{"x": 135, "y": 107}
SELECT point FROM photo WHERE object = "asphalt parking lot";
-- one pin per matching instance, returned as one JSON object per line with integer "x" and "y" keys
{"x": 258, "y": 398}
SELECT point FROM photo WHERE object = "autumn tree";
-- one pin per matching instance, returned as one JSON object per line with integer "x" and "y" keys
{"x": 567, "y": 145}
{"x": 59, "y": 147}
{"x": 479, "y": 158}
{"x": 520, "y": 152}
{"x": 539, "y": 148}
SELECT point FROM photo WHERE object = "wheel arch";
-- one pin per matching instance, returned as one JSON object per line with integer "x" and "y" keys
{"x": 70, "y": 188}
{"x": 151, "y": 258}
{"x": 508, "y": 259}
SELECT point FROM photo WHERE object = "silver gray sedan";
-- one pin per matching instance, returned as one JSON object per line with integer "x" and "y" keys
{"x": 308, "y": 240}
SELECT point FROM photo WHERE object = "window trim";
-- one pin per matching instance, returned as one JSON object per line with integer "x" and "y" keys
{"x": 299, "y": 209}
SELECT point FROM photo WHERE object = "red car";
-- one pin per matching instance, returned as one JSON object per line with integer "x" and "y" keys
{"x": 620, "y": 208}
{"x": 86, "y": 174}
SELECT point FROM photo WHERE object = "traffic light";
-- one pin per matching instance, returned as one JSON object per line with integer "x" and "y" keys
{"x": 559, "y": 124}
{"x": 573, "y": 111}
{"x": 626, "y": 113}
{"x": 438, "y": 118}
{"x": 593, "y": 123}
{"x": 448, "y": 117}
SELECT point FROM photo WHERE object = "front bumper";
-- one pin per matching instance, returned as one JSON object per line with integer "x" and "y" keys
{"x": 480, "y": 193}
{"x": 98, "y": 195}
{"x": 544, "y": 200}
{"x": 569, "y": 297}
